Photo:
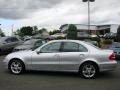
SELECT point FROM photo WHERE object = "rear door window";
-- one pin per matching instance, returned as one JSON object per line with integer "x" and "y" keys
{"x": 70, "y": 47}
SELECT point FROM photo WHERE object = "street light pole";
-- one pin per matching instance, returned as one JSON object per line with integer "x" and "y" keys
{"x": 88, "y": 13}
{"x": 0, "y": 27}
{"x": 89, "y": 17}
{"x": 12, "y": 29}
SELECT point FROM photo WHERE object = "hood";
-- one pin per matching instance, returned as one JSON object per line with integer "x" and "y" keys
{"x": 20, "y": 54}
{"x": 24, "y": 47}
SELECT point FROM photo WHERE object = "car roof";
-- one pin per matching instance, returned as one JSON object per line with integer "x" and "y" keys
{"x": 65, "y": 40}
{"x": 34, "y": 39}
{"x": 3, "y": 38}
{"x": 77, "y": 41}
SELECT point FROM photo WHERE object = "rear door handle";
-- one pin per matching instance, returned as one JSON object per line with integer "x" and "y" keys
{"x": 57, "y": 55}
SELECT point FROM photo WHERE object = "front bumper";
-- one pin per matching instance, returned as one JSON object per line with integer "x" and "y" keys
{"x": 108, "y": 66}
{"x": 5, "y": 63}
{"x": 118, "y": 57}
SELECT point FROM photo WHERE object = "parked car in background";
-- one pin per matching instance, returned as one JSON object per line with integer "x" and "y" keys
{"x": 25, "y": 38}
{"x": 29, "y": 44}
{"x": 83, "y": 35}
{"x": 110, "y": 35}
{"x": 8, "y": 43}
{"x": 63, "y": 55}
{"x": 116, "y": 48}
{"x": 92, "y": 42}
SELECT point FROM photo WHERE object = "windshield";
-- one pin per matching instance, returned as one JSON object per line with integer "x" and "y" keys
{"x": 29, "y": 42}
{"x": 2, "y": 39}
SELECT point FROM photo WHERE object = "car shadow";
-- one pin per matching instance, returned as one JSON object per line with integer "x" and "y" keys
{"x": 52, "y": 73}
{"x": 107, "y": 75}
{"x": 4, "y": 53}
{"x": 67, "y": 75}
{"x": 103, "y": 75}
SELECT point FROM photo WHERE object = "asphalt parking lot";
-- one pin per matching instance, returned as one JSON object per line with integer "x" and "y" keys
{"x": 34, "y": 80}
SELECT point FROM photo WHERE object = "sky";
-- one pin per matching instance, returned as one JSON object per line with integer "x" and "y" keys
{"x": 51, "y": 14}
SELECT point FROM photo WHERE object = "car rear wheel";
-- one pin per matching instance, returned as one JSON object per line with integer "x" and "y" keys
{"x": 88, "y": 70}
{"x": 16, "y": 67}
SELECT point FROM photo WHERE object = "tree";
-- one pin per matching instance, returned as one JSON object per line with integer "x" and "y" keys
{"x": 72, "y": 32}
{"x": 118, "y": 34}
{"x": 24, "y": 31}
{"x": 18, "y": 33}
{"x": 2, "y": 34}
{"x": 54, "y": 32}
{"x": 35, "y": 30}
{"x": 27, "y": 31}
{"x": 42, "y": 30}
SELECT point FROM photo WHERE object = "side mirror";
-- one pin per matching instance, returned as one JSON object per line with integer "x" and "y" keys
{"x": 38, "y": 52}
{"x": 4, "y": 43}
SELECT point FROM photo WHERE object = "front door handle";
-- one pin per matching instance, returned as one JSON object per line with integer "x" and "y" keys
{"x": 82, "y": 55}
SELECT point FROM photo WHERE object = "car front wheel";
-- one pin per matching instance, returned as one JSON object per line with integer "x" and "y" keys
{"x": 16, "y": 67}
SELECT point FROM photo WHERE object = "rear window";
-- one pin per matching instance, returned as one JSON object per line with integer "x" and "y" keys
{"x": 93, "y": 45}
{"x": 70, "y": 47}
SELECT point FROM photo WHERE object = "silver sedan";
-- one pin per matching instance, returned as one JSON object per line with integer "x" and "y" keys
{"x": 63, "y": 55}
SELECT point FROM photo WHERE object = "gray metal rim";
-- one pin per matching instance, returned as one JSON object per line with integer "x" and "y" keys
{"x": 16, "y": 67}
{"x": 88, "y": 70}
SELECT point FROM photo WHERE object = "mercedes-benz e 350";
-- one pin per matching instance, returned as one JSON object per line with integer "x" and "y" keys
{"x": 63, "y": 55}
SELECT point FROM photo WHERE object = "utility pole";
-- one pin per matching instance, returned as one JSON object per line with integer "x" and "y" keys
{"x": 89, "y": 13}
{"x": 0, "y": 27}
{"x": 12, "y": 29}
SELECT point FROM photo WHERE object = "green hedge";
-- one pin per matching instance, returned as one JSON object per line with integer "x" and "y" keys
{"x": 107, "y": 41}
{"x": 58, "y": 38}
{"x": 96, "y": 39}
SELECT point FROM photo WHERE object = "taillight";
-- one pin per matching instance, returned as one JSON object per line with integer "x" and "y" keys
{"x": 112, "y": 56}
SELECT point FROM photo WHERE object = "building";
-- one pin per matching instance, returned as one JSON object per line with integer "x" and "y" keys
{"x": 94, "y": 29}
{"x": 58, "y": 35}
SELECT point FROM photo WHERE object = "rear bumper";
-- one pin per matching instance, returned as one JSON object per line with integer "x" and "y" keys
{"x": 108, "y": 66}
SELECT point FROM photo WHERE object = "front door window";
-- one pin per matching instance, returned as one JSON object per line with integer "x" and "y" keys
{"x": 51, "y": 48}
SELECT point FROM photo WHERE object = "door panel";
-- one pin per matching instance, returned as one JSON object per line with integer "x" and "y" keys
{"x": 70, "y": 61}
{"x": 71, "y": 56}
{"x": 46, "y": 61}
{"x": 48, "y": 58}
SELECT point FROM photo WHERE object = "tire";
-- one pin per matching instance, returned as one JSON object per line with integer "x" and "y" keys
{"x": 88, "y": 70}
{"x": 16, "y": 67}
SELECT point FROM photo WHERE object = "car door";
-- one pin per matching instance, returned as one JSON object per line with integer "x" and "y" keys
{"x": 71, "y": 55}
{"x": 48, "y": 58}
{"x": 14, "y": 41}
{"x": 8, "y": 44}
